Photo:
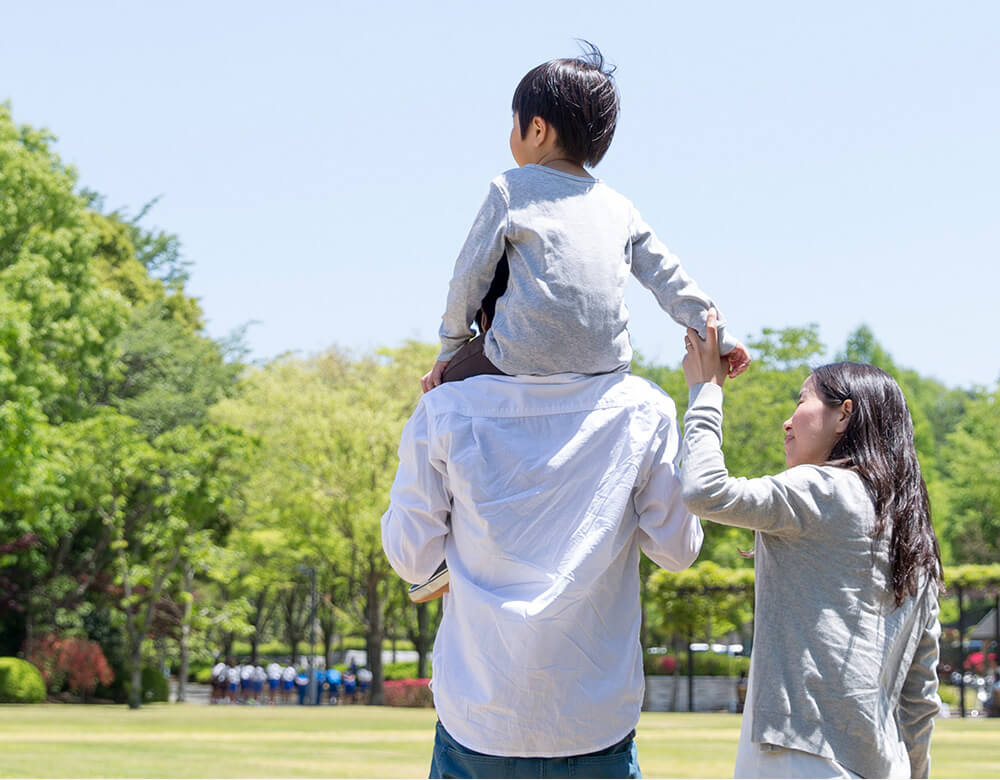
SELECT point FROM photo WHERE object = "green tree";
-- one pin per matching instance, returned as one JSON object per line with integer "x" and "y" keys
{"x": 58, "y": 326}
{"x": 971, "y": 461}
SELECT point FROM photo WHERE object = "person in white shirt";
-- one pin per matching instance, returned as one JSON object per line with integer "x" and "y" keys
{"x": 552, "y": 485}
{"x": 273, "y": 679}
{"x": 218, "y": 682}
{"x": 233, "y": 675}
{"x": 288, "y": 675}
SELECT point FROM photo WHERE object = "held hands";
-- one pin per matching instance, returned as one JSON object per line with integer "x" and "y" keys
{"x": 739, "y": 360}
{"x": 702, "y": 363}
{"x": 432, "y": 378}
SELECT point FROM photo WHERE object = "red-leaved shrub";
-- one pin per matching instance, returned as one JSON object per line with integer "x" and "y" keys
{"x": 79, "y": 664}
{"x": 408, "y": 693}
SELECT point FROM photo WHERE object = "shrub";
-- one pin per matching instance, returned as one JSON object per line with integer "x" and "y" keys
{"x": 402, "y": 670}
{"x": 155, "y": 687}
{"x": 78, "y": 664}
{"x": 705, "y": 664}
{"x": 20, "y": 682}
{"x": 407, "y": 693}
{"x": 202, "y": 674}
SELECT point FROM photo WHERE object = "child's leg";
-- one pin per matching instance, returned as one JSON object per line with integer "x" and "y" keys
{"x": 469, "y": 361}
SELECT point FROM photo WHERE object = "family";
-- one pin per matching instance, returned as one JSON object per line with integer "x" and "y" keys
{"x": 539, "y": 477}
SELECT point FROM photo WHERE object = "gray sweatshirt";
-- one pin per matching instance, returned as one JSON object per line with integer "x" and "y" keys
{"x": 839, "y": 671}
{"x": 571, "y": 243}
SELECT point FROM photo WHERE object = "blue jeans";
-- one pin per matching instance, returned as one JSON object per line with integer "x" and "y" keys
{"x": 451, "y": 759}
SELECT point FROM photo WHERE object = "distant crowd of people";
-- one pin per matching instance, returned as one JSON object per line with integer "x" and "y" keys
{"x": 288, "y": 684}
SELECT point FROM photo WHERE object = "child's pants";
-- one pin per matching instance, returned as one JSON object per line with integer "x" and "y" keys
{"x": 469, "y": 361}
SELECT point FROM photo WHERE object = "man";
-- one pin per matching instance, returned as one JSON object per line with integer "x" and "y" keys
{"x": 539, "y": 492}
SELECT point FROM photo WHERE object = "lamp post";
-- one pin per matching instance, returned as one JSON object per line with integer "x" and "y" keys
{"x": 311, "y": 690}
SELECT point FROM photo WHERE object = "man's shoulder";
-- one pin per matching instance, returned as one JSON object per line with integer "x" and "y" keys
{"x": 503, "y": 396}
{"x": 640, "y": 391}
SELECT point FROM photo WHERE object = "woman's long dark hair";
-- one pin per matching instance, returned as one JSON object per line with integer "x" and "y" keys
{"x": 878, "y": 445}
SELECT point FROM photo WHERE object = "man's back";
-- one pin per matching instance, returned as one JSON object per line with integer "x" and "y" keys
{"x": 551, "y": 484}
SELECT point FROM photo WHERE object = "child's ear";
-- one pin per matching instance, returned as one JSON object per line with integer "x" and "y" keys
{"x": 540, "y": 131}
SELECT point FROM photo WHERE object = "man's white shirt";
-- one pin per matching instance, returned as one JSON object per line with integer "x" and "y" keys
{"x": 539, "y": 492}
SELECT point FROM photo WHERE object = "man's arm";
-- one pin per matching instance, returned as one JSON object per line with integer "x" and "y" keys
{"x": 415, "y": 526}
{"x": 669, "y": 534}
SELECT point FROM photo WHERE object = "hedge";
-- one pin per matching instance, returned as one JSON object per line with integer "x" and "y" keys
{"x": 708, "y": 578}
{"x": 20, "y": 682}
{"x": 280, "y": 650}
{"x": 155, "y": 687}
{"x": 407, "y": 693}
{"x": 705, "y": 664}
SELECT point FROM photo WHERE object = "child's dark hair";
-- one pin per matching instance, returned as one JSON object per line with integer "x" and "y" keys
{"x": 878, "y": 445}
{"x": 578, "y": 98}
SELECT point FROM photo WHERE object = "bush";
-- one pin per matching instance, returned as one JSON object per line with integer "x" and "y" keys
{"x": 20, "y": 682}
{"x": 203, "y": 675}
{"x": 402, "y": 670}
{"x": 280, "y": 650}
{"x": 705, "y": 664}
{"x": 155, "y": 687}
{"x": 75, "y": 663}
{"x": 407, "y": 693}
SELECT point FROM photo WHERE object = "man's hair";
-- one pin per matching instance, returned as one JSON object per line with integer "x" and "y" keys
{"x": 578, "y": 98}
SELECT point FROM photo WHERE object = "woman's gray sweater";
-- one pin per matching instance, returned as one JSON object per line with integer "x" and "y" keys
{"x": 838, "y": 669}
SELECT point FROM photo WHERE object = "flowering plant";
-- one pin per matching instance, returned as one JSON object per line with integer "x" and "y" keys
{"x": 79, "y": 664}
{"x": 408, "y": 693}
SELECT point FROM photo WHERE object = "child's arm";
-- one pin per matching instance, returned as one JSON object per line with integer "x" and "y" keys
{"x": 474, "y": 271}
{"x": 678, "y": 294}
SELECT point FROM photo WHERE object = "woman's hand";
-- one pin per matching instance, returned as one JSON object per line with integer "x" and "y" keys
{"x": 703, "y": 363}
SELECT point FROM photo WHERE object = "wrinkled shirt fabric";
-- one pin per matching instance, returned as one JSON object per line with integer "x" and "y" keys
{"x": 571, "y": 244}
{"x": 539, "y": 493}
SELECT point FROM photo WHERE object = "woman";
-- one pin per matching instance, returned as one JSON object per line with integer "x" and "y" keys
{"x": 843, "y": 677}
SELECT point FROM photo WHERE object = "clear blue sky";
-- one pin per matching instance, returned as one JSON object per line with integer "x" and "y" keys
{"x": 322, "y": 162}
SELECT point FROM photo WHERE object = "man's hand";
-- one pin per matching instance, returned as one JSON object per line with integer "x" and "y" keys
{"x": 739, "y": 360}
{"x": 432, "y": 378}
{"x": 702, "y": 363}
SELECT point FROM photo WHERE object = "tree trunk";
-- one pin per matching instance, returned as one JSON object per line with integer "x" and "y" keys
{"x": 135, "y": 690}
{"x": 690, "y": 675}
{"x": 182, "y": 674}
{"x": 422, "y": 643}
{"x": 292, "y": 633}
{"x": 260, "y": 606}
{"x": 327, "y": 627}
{"x": 29, "y": 628}
{"x": 676, "y": 646}
{"x": 376, "y": 632}
{"x": 134, "y": 655}
{"x": 327, "y": 642}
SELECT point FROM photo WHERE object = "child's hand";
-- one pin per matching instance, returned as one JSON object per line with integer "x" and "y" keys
{"x": 702, "y": 362}
{"x": 739, "y": 360}
{"x": 432, "y": 378}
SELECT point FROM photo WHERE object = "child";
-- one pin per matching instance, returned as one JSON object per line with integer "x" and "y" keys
{"x": 569, "y": 239}
{"x": 568, "y": 242}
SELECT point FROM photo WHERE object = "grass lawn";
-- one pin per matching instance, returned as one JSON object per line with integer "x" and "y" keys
{"x": 188, "y": 740}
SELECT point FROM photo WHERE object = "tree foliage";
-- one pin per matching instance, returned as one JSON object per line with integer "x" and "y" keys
{"x": 159, "y": 496}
